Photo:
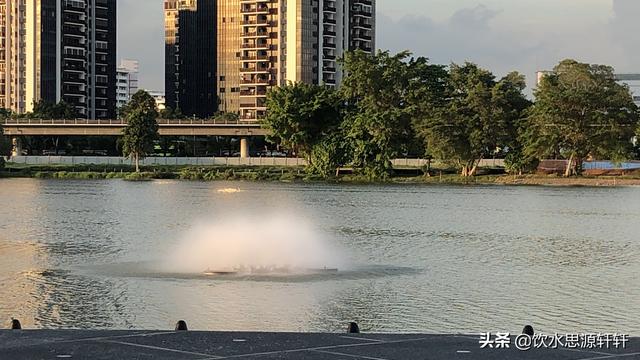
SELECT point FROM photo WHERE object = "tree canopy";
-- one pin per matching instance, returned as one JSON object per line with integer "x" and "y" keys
{"x": 59, "y": 111}
{"x": 460, "y": 114}
{"x": 142, "y": 128}
{"x": 169, "y": 113}
{"x": 476, "y": 117}
{"x": 305, "y": 118}
{"x": 44, "y": 110}
{"x": 5, "y": 113}
{"x": 581, "y": 111}
{"x": 5, "y": 143}
{"x": 2, "y": 143}
{"x": 377, "y": 117}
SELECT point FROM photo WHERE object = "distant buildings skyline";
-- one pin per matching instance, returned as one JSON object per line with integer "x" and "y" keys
{"x": 220, "y": 55}
{"x": 224, "y": 55}
{"x": 501, "y": 35}
{"x": 444, "y": 26}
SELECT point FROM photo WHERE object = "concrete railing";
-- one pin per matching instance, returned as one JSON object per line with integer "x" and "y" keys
{"x": 419, "y": 163}
{"x": 204, "y": 161}
{"x": 179, "y": 161}
{"x": 122, "y": 122}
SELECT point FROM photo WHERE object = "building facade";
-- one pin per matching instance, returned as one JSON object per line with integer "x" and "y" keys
{"x": 12, "y": 55}
{"x": 276, "y": 42}
{"x": 190, "y": 56}
{"x": 266, "y": 43}
{"x": 172, "y": 9}
{"x": 126, "y": 81}
{"x": 59, "y": 51}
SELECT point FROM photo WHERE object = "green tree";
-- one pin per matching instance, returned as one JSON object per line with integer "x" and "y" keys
{"x": 428, "y": 90}
{"x": 5, "y": 143}
{"x": 636, "y": 144}
{"x": 510, "y": 102}
{"x": 227, "y": 116}
{"x": 477, "y": 118}
{"x": 5, "y": 114}
{"x": 2, "y": 143}
{"x": 169, "y": 114}
{"x": 302, "y": 117}
{"x": 328, "y": 155}
{"x": 59, "y": 111}
{"x": 142, "y": 128}
{"x": 378, "y": 120}
{"x": 581, "y": 111}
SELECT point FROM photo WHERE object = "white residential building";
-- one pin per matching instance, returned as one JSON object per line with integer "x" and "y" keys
{"x": 160, "y": 99}
{"x": 126, "y": 81}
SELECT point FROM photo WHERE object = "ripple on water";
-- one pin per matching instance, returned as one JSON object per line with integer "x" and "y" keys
{"x": 460, "y": 259}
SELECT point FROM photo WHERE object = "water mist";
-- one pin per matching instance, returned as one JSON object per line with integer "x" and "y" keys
{"x": 246, "y": 243}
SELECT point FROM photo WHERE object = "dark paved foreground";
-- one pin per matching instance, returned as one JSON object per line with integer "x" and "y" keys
{"x": 54, "y": 344}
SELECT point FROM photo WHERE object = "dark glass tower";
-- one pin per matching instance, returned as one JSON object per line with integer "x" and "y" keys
{"x": 190, "y": 52}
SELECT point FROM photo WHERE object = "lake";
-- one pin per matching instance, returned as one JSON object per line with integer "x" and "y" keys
{"x": 409, "y": 258}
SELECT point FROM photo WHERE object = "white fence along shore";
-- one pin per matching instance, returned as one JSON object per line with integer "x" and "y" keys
{"x": 202, "y": 161}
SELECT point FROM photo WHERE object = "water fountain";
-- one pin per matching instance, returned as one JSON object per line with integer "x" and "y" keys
{"x": 257, "y": 244}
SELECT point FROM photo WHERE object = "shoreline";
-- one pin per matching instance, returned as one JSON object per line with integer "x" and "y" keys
{"x": 297, "y": 175}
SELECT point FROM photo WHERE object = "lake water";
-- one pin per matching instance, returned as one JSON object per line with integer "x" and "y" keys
{"x": 99, "y": 254}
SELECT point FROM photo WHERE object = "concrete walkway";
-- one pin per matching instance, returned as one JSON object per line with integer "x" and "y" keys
{"x": 73, "y": 344}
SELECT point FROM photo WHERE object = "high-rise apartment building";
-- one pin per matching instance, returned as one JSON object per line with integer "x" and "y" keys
{"x": 62, "y": 50}
{"x": 12, "y": 56}
{"x": 126, "y": 81}
{"x": 266, "y": 43}
{"x": 282, "y": 41}
{"x": 362, "y": 22}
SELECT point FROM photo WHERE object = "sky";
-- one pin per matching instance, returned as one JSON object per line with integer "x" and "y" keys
{"x": 501, "y": 35}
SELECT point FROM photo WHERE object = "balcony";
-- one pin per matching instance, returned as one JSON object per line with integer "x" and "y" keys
{"x": 255, "y": 69}
{"x": 258, "y": 34}
{"x": 256, "y": 46}
{"x": 251, "y": 93}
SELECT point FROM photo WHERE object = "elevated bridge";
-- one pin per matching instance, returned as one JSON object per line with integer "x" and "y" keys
{"x": 17, "y": 128}
{"x": 167, "y": 127}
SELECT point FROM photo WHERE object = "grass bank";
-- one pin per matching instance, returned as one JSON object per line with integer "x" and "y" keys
{"x": 297, "y": 174}
{"x": 195, "y": 173}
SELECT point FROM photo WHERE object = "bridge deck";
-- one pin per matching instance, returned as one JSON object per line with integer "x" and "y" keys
{"x": 53, "y": 344}
{"x": 167, "y": 127}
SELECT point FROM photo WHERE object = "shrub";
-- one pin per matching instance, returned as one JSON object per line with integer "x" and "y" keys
{"x": 288, "y": 177}
{"x": 142, "y": 176}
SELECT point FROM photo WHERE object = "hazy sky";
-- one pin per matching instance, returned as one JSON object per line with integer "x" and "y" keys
{"x": 502, "y": 35}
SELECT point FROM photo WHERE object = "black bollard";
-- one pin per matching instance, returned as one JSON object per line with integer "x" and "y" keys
{"x": 528, "y": 330}
{"x": 353, "y": 328}
{"x": 15, "y": 324}
{"x": 181, "y": 326}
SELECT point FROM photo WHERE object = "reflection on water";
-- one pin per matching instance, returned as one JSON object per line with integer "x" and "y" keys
{"x": 85, "y": 254}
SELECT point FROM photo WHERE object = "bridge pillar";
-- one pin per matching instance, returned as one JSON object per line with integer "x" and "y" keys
{"x": 244, "y": 147}
{"x": 16, "y": 149}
